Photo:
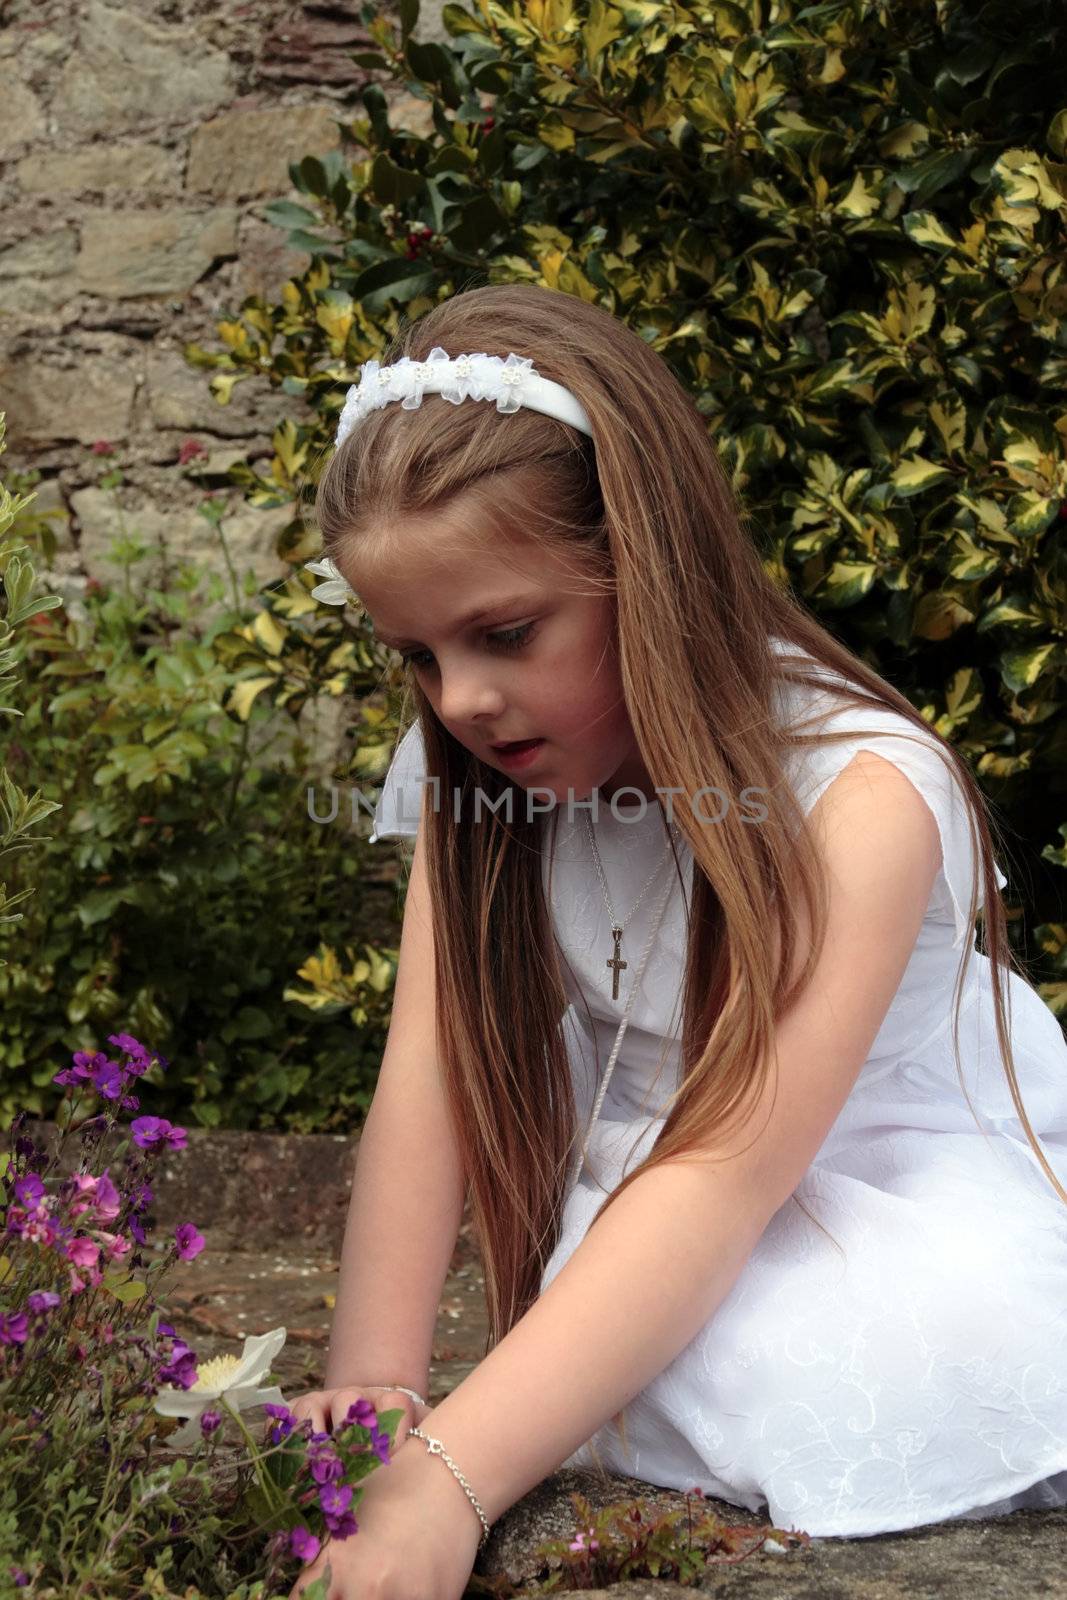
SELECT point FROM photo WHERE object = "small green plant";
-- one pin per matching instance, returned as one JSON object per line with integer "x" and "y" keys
{"x": 624, "y": 1542}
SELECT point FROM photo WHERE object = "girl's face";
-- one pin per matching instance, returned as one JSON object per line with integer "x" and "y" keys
{"x": 538, "y": 662}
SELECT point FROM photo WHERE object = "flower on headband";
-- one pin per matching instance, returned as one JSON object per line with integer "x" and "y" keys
{"x": 336, "y": 591}
{"x": 473, "y": 377}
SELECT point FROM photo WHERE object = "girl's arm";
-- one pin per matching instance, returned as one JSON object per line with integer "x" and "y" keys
{"x": 661, "y": 1260}
{"x": 408, "y": 1190}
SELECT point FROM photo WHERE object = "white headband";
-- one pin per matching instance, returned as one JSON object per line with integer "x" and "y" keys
{"x": 511, "y": 383}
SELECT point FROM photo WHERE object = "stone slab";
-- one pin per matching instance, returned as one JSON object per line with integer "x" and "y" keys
{"x": 131, "y": 253}
{"x": 137, "y": 166}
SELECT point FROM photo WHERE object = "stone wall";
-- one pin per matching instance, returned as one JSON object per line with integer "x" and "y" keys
{"x": 139, "y": 142}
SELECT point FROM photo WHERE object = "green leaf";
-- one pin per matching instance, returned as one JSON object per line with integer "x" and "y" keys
{"x": 916, "y": 473}
{"x": 1021, "y": 669}
{"x": 926, "y": 229}
{"x": 846, "y": 582}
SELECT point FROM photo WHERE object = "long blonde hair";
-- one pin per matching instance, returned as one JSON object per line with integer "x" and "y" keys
{"x": 645, "y": 513}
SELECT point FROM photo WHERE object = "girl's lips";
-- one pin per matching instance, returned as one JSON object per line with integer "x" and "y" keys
{"x": 519, "y": 755}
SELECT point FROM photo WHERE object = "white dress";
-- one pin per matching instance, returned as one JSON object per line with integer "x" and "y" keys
{"x": 924, "y": 1375}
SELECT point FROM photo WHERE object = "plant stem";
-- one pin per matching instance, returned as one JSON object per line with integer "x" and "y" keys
{"x": 265, "y": 1482}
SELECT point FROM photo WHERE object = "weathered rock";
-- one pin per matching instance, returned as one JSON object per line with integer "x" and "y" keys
{"x": 304, "y": 47}
{"x": 128, "y": 72}
{"x": 147, "y": 168}
{"x": 23, "y": 120}
{"x": 42, "y": 255}
{"x": 126, "y": 253}
{"x": 248, "y": 152}
{"x": 81, "y": 392}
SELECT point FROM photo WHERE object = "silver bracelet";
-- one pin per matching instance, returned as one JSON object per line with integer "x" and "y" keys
{"x": 436, "y": 1448}
{"x": 397, "y": 1388}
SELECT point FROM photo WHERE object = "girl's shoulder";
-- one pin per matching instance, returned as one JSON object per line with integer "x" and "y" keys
{"x": 829, "y": 729}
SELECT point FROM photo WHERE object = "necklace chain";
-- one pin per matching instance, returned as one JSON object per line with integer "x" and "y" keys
{"x": 615, "y": 961}
{"x": 620, "y": 1032}
{"x": 616, "y": 964}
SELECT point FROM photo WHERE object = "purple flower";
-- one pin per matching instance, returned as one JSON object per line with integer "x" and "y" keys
{"x": 325, "y": 1466}
{"x": 29, "y": 1191}
{"x": 363, "y": 1412}
{"x": 110, "y": 1080}
{"x": 151, "y": 1133}
{"x": 13, "y": 1329}
{"x": 303, "y": 1543}
{"x": 335, "y": 1498}
{"x": 181, "y": 1370}
{"x": 137, "y": 1231}
{"x": 189, "y": 1242}
{"x": 209, "y": 1421}
{"x": 86, "y": 1062}
{"x": 284, "y": 1425}
{"x": 19, "y": 1578}
{"x": 129, "y": 1045}
{"x": 42, "y": 1300}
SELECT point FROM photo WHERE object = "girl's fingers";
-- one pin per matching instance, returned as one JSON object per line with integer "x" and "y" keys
{"x": 310, "y": 1406}
{"x": 327, "y": 1408}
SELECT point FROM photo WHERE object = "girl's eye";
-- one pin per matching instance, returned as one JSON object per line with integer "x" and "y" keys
{"x": 507, "y": 639}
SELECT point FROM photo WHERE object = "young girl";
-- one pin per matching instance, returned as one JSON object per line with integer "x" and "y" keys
{"x": 710, "y": 940}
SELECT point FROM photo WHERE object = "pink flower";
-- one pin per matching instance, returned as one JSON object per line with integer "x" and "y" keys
{"x": 190, "y": 449}
{"x": 98, "y": 1194}
{"x": 189, "y": 1242}
{"x": 83, "y": 1252}
{"x": 580, "y": 1542}
{"x": 115, "y": 1245}
{"x": 39, "y": 1231}
{"x": 102, "y": 447}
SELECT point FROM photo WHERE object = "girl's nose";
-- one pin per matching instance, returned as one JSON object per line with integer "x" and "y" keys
{"x": 468, "y": 695}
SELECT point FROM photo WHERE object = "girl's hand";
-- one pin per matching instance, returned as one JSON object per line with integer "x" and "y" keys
{"x": 328, "y": 1408}
{"x": 417, "y": 1536}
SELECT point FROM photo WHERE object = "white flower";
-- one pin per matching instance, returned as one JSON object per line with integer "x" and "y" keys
{"x": 235, "y": 1379}
{"x": 336, "y": 591}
